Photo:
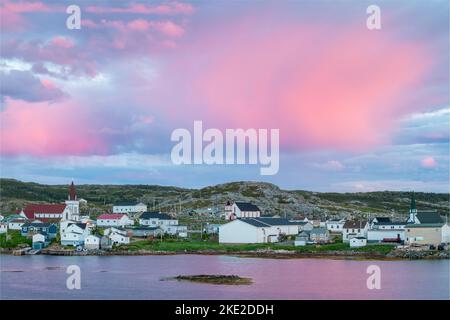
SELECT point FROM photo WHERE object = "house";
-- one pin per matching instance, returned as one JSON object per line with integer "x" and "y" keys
{"x": 92, "y": 242}
{"x": 2, "y": 217}
{"x": 47, "y": 229}
{"x": 243, "y": 210}
{"x": 382, "y": 229}
{"x": 180, "y": 231}
{"x": 74, "y": 234}
{"x": 168, "y": 224}
{"x": 257, "y": 230}
{"x": 144, "y": 231}
{"x": 425, "y": 227}
{"x": 112, "y": 230}
{"x": 357, "y": 242}
{"x": 16, "y": 224}
{"x": 301, "y": 239}
{"x": 212, "y": 228}
{"x": 45, "y": 212}
{"x": 354, "y": 228}
{"x": 130, "y": 208}
{"x": 335, "y": 226}
{"x": 119, "y": 238}
{"x": 114, "y": 220}
{"x": 319, "y": 235}
{"x": 39, "y": 241}
{"x": 153, "y": 219}
{"x": 3, "y": 227}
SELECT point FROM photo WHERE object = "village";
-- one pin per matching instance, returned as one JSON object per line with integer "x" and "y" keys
{"x": 61, "y": 229}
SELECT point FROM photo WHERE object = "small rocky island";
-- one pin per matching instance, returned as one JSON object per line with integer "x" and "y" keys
{"x": 214, "y": 279}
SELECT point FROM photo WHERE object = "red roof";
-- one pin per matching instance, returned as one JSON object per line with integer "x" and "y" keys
{"x": 112, "y": 216}
{"x": 31, "y": 209}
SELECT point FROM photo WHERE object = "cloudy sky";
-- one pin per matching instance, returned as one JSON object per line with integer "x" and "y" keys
{"x": 357, "y": 109}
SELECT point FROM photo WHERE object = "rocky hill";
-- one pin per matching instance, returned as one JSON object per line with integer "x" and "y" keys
{"x": 270, "y": 198}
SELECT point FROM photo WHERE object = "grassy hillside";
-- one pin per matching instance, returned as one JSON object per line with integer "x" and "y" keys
{"x": 270, "y": 198}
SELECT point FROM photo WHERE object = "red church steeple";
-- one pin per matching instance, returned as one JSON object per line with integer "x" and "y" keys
{"x": 72, "y": 192}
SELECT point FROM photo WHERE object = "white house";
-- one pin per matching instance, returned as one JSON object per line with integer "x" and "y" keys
{"x": 382, "y": 229}
{"x": 3, "y": 227}
{"x": 74, "y": 234}
{"x": 168, "y": 224}
{"x": 129, "y": 207}
{"x": 354, "y": 228}
{"x": 92, "y": 242}
{"x": 257, "y": 230}
{"x": 112, "y": 230}
{"x": 302, "y": 239}
{"x": 243, "y": 210}
{"x": 336, "y": 226}
{"x": 118, "y": 238}
{"x": 357, "y": 242}
{"x": 114, "y": 220}
{"x": 1, "y": 217}
{"x": 16, "y": 224}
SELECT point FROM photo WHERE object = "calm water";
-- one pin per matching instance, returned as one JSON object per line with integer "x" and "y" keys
{"x": 44, "y": 277}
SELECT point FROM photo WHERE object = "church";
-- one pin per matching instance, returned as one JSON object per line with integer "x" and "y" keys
{"x": 69, "y": 210}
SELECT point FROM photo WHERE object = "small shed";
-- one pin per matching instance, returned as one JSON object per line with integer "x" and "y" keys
{"x": 357, "y": 242}
{"x": 301, "y": 239}
{"x": 92, "y": 242}
{"x": 38, "y": 241}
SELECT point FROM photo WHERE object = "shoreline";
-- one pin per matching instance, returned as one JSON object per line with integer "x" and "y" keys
{"x": 395, "y": 255}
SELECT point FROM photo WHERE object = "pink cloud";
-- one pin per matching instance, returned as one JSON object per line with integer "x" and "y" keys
{"x": 44, "y": 129}
{"x": 163, "y": 9}
{"x": 341, "y": 91}
{"x": 62, "y": 42}
{"x": 169, "y": 28}
{"x": 428, "y": 162}
{"x": 11, "y": 18}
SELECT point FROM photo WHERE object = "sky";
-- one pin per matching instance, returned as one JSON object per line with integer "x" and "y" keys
{"x": 357, "y": 109}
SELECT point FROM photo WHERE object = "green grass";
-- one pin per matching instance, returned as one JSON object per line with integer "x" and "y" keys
{"x": 179, "y": 246}
{"x": 14, "y": 240}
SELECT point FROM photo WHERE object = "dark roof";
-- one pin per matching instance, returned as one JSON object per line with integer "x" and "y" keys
{"x": 155, "y": 215}
{"x": 355, "y": 224}
{"x": 246, "y": 206}
{"x": 141, "y": 228}
{"x": 389, "y": 223}
{"x": 429, "y": 217}
{"x": 268, "y": 221}
{"x": 37, "y": 224}
{"x": 383, "y": 219}
{"x": 254, "y": 222}
{"x": 81, "y": 225}
{"x": 318, "y": 230}
{"x": 425, "y": 225}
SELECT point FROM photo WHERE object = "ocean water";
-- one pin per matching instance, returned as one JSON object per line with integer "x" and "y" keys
{"x": 140, "y": 277}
